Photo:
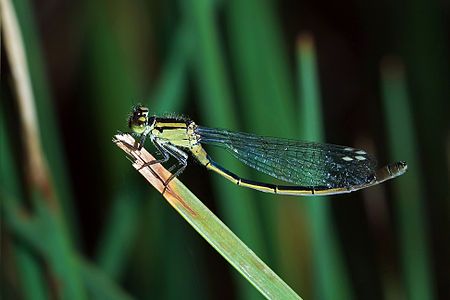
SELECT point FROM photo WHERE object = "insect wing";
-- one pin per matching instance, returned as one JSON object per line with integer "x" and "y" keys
{"x": 297, "y": 162}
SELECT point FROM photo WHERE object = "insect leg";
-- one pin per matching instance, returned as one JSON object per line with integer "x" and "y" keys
{"x": 139, "y": 144}
{"x": 161, "y": 150}
{"x": 180, "y": 156}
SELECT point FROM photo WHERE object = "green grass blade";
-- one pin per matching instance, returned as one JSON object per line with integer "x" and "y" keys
{"x": 266, "y": 98}
{"x": 209, "y": 226}
{"x": 422, "y": 41}
{"x": 331, "y": 279}
{"x": 59, "y": 254}
{"x": 218, "y": 110}
{"x": 408, "y": 190}
{"x": 38, "y": 179}
{"x": 113, "y": 78}
{"x": 168, "y": 96}
{"x": 98, "y": 284}
{"x": 114, "y": 52}
{"x": 170, "y": 90}
{"x": 124, "y": 216}
{"x": 33, "y": 232}
{"x": 32, "y": 283}
{"x": 48, "y": 126}
{"x": 29, "y": 269}
{"x": 263, "y": 79}
{"x": 120, "y": 230}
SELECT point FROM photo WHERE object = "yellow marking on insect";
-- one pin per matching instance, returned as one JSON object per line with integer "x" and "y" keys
{"x": 330, "y": 191}
{"x": 222, "y": 173}
{"x": 256, "y": 187}
{"x": 293, "y": 192}
{"x": 173, "y": 124}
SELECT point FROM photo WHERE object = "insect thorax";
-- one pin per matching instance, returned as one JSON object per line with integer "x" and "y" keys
{"x": 178, "y": 133}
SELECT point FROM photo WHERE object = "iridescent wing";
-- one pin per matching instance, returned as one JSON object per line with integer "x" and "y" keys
{"x": 297, "y": 162}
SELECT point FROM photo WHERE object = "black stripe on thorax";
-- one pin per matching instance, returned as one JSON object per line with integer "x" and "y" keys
{"x": 171, "y": 123}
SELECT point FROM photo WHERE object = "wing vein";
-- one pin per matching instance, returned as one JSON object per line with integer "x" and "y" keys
{"x": 297, "y": 162}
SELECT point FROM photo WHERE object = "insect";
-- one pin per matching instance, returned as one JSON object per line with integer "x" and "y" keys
{"x": 311, "y": 168}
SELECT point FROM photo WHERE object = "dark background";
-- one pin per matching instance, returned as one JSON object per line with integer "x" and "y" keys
{"x": 382, "y": 84}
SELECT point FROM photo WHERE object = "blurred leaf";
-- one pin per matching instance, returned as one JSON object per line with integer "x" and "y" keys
{"x": 29, "y": 269}
{"x": 217, "y": 109}
{"x": 170, "y": 90}
{"x": 34, "y": 232}
{"x": 48, "y": 127}
{"x": 266, "y": 98}
{"x": 409, "y": 190}
{"x": 39, "y": 185}
{"x": 331, "y": 278}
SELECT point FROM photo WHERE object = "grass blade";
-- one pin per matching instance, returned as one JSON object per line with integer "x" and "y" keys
{"x": 39, "y": 183}
{"x": 28, "y": 267}
{"x": 408, "y": 190}
{"x": 265, "y": 92}
{"x": 170, "y": 90}
{"x": 209, "y": 226}
{"x": 123, "y": 219}
{"x": 331, "y": 279}
{"x": 32, "y": 232}
{"x": 49, "y": 128}
{"x": 217, "y": 108}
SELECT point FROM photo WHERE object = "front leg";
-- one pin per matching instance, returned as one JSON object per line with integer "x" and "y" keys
{"x": 140, "y": 144}
{"x": 161, "y": 150}
{"x": 138, "y": 141}
{"x": 181, "y": 157}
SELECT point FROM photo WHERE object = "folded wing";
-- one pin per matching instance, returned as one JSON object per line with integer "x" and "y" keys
{"x": 300, "y": 163}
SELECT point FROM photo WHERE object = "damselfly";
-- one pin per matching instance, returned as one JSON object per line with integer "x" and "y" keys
{"x": 311, "y": 168}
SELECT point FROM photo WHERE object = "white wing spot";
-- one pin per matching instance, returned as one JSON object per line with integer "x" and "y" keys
{"x": 360, "y": 157}
{"x": 346, "y": 158}
{"x": 360, "y": 152}
{"x": 348, "y": 149}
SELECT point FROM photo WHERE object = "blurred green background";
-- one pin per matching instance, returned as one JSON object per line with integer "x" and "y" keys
{"x": 372, "y": 74}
